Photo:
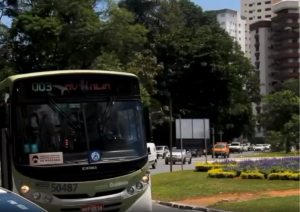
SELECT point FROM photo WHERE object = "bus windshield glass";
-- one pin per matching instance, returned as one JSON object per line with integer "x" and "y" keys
{"x": 113, "y": 128}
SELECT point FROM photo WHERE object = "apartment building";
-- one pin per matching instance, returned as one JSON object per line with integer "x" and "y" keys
{"x": 255, "y": 10}
{"x": 234, "y": 24}
{"x": 275, "y": 48}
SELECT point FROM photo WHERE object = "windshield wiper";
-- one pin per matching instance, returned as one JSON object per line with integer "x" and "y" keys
{"x": 56, "y": 108}
{"x": 106, "y": 113}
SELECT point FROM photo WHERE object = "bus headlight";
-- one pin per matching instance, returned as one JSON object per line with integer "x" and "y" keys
{"x": 130, "y": 190}
{"x": 139, "y": 185}
{"x": 48, "y": 199}
{"x": 36, "y": 195}
{"x": 145, "y": 179}
{"x": 24, "y": 189}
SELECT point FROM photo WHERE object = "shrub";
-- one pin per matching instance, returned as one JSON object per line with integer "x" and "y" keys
{"x": 252, "y": 175}
{"x": 207, "y": 166}
{"x": 220, "y": 173}
{"x": 284, "y": 176}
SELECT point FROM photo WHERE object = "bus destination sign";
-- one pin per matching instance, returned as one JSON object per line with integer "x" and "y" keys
{"x": 79, "y": 85}
{"x": 83, "y": 86}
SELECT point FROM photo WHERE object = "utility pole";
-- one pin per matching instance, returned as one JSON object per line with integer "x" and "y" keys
{"x": 213, "y": 134}
{"x": 171, "y": 133}
{"x": 221, "y": 133}
{"x": 205, "y": 141}
{"x": 181, "y": 142}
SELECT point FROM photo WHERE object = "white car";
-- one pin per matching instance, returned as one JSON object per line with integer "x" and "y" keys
{"x": 259, "y": 147}
{"x": 152, "y": 155}
{"x": 162, "y": 151}
{"x": 235, "y": 147}
{"x": 245, "y": 147}
{"x": 176, "y": 156}
{"x": 267, "y": 146}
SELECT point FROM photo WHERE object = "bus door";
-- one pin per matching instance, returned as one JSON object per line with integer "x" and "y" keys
{"x": 5, "y": 145}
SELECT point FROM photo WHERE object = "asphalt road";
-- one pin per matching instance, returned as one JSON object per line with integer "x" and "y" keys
{"x": 162, "y": 167}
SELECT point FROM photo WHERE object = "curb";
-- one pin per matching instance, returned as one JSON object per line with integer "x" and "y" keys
{"x": 188, "y": 207}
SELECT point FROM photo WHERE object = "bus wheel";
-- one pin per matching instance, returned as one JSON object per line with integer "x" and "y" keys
{"x": 154, "y": 165}
{"x": 166, "y": 162}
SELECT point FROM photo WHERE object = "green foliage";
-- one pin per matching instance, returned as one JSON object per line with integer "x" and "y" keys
{"x": 280, "y": 115}
{"x": 252, "y": 175}
{"x": 207, "y": 166}
{"x": 220, "y": 173}
{"x": 284, "y": 176}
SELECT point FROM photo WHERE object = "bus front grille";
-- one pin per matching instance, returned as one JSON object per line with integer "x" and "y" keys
{"x": 85, "y": 196}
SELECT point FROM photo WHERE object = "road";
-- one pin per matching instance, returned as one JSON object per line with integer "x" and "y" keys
{"x": 162, "y": 167}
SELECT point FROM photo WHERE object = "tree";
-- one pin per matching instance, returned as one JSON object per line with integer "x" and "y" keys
{"x": 291, "y": 130}
{"x": 292, "y": 85}
{"x": 278, "y": 109}
{"x": 68, "y": 34}
{"x": 207, "y": 75}
{"x": 205, "y": 72}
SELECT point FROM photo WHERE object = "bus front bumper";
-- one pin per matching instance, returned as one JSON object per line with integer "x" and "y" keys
{"x": 144, "y": 203}
{"x": 136, "y": 203}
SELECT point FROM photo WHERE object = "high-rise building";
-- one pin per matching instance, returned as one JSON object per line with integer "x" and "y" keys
{"x": 275, "y": 48}
{"x": 234, "y": 24}
{"x": 255, "y": 10}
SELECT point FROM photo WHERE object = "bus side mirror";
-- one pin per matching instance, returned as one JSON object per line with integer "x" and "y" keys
{"x": 4, "y": 116}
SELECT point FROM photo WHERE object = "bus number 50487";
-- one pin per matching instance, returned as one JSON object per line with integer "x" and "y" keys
{"x": 63, "y": 187}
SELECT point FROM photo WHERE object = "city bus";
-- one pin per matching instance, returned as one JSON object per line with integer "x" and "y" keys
{"x": 75, "y": 140}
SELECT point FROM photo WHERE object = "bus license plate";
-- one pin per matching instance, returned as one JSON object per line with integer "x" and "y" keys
{"x": 92, "y": 208}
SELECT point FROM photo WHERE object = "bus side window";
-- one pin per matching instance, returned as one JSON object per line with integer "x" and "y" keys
{"x": 4, "y": 110}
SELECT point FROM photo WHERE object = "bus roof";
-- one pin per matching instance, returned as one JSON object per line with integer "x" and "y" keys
{"x": 49, "y": 73}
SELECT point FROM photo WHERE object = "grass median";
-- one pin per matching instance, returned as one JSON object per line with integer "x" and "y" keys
{"x": 270, "y": 154}
{"x": 182, "y": 185}
{"x": 274, "y": 204}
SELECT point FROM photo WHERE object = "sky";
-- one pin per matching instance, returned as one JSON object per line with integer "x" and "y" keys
{"x": 219, "y": 4}
{"x": 205, "y": 4}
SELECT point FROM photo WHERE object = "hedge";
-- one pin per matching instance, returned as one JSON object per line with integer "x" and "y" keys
{"x": 204, "y": 167}
{"x": 220, "y": 173}
{"x": 284, "y": 176}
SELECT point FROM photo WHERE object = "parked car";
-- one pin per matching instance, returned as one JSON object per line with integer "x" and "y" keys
{"x": 245, "y": 147}
{"x": 152, "y": 155}
{"x": 259, "y": 147}
{"x": 177, "y": 157}
{"x": 235, "y": 147}
{"x": 12, "y": 202}
{"x": 267, "y": 147}
{"x": 251, "y": 147}
{"x": 221, "y": 149}
{"x": 162, "y": 151}
{"x": 195, "y": 152}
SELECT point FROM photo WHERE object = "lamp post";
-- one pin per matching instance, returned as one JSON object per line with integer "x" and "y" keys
{"x": 213, "y": 134}
{"x": 171, "y": 133}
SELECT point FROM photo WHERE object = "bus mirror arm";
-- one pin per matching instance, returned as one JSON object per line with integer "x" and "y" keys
{"x": 4, "y": 115}
{"x": 5, "y": 156}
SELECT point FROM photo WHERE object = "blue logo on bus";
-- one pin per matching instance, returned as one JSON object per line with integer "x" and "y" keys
{"x": 95, "y": 156}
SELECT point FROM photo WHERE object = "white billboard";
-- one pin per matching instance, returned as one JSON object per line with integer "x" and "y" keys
{"x": 192, "y": 129}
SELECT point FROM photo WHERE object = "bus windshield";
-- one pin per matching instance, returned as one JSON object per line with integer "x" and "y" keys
{"x": 116, "y": 131}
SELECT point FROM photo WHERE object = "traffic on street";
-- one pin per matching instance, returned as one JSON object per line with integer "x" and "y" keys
{"x": 162, "y": 167}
